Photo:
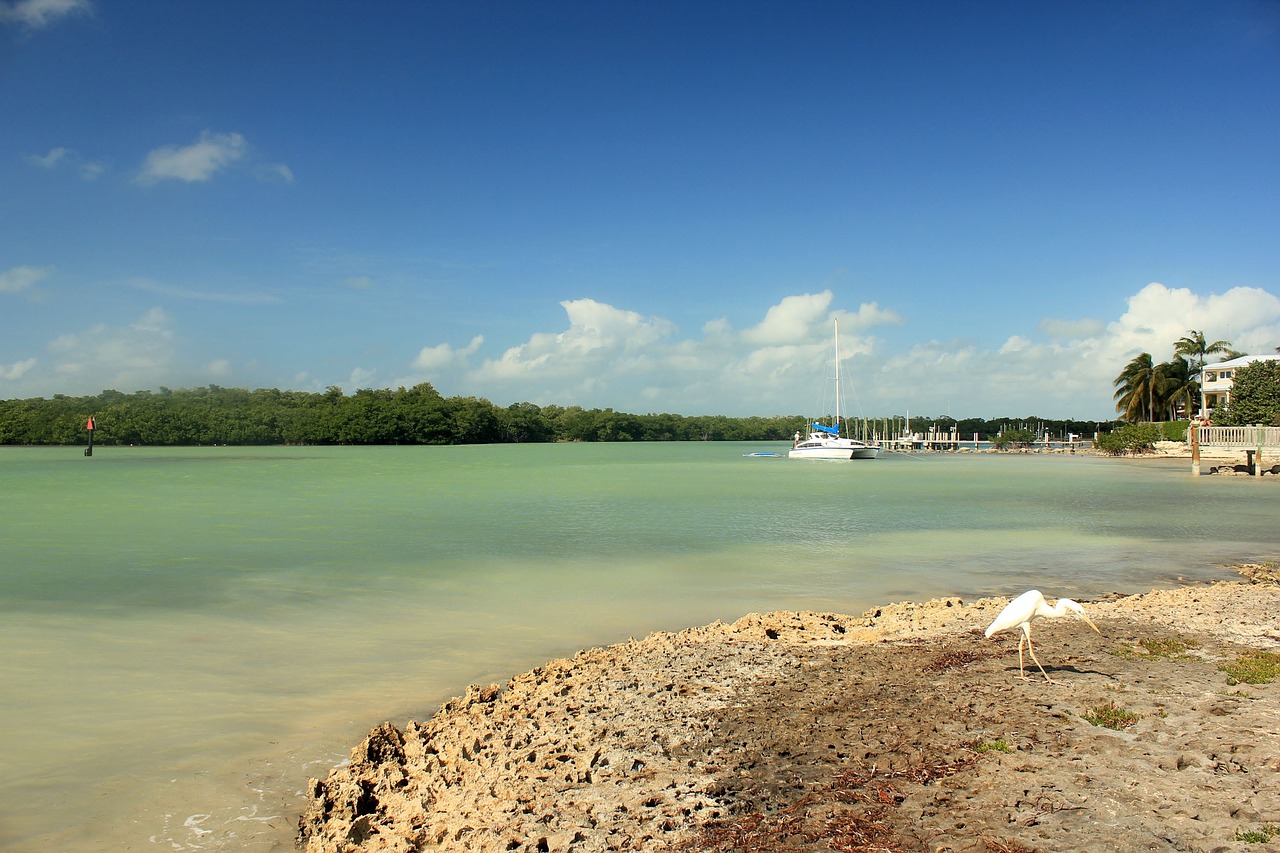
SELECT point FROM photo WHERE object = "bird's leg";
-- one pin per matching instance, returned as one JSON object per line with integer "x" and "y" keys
{"x": 1022, "y": 673}
{"x": 1032, "y": 649}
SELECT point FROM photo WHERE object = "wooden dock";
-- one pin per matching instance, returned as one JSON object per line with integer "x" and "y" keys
{"x": 1251, "y": 439}
{"x": 941, "y": 441}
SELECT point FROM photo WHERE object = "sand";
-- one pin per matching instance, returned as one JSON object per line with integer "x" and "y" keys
{"x": 901, "y": 729}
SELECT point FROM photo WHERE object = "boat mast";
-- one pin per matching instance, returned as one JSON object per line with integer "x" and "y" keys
{"x": 837, "y": 324}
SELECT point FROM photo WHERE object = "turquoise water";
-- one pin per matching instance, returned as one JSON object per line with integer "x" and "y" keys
{"x": 189, "y": 634}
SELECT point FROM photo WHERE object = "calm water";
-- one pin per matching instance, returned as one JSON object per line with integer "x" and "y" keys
{"x": 189, "y": 634}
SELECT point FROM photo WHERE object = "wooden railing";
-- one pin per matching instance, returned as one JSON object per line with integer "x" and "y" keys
{"x": 1242, "y": 437}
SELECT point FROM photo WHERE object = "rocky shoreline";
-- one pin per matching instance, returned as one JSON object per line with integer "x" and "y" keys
{"x": 902, "y": 729}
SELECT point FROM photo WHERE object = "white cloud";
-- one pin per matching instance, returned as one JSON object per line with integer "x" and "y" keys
{"x": 1016, "y": 343}
{"x": 15, "y": 371}
{"x": 57, "y": 157}
{"x": 360, "y": 378}
{"x": 444, "y": 355}
{"x": 275, "y": 172}
{"x": 1072, "y": 374}
{"x": 198, "y": 161}
{"x": 611, "y": 353}
{"x": 607, "y": 356}
{"x": 1158, "y": 315}
{"x": 18, "y": 279}
{"x": 131, "y": 357}
{"x": 597, "y": 334}
{"x": 37, "y": 14}
{"x": 1061, "y": 368}
{"x": 790, "y": 320}
{"x": 50, "y": 160}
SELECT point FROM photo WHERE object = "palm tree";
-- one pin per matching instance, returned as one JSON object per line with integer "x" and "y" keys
{"x": 1135, "y": 388}
{"x": 1176, "y": 385}
{"x": 1192, "y": 346}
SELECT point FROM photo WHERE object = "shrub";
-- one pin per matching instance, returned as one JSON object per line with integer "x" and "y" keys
{"x": 1255, "y": 396}
{"x": 1014, "y": 438}
{"x": 1130, "y": 438}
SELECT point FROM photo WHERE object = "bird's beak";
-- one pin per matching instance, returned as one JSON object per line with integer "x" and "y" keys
{"x": 1090, "y": 621}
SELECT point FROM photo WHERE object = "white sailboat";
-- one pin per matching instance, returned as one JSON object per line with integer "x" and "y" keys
{"x": 826, "y": 442}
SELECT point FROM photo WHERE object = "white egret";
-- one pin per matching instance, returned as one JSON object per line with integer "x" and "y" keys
{"x": 1031, "y": 605}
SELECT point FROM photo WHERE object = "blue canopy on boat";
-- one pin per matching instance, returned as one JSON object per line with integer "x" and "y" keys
{"x": 829, "y": 430}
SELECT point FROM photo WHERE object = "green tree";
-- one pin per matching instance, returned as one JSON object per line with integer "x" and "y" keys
{"x": 1255, "y": 396}
{"x": 1175, "y": 385}
{"x": 1136, "y": 388}
{"x": 1192, "y": 346}
{"x": 1014, "y": 438}
{"x": 1130, "y": 438}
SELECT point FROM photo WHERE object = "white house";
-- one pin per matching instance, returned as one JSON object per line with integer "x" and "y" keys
{"x": 1216, "y": 379}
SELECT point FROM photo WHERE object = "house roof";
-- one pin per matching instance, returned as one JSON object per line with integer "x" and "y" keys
{"x": 1240, "y": 362}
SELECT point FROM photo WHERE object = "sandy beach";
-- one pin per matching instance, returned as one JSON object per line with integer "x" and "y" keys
{"x": 901, "y": 729}
{"x": 1213, "y": 460}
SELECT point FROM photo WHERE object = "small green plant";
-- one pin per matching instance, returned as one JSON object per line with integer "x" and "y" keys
{"x": 1166, "y": 647}
{"x": 1110, "y": 716}
{"x": 1258, "y": 836}
{"x": 997, "y": 745}
{"x": 1253, "y": 667}
{"x": 1155, "y": 648}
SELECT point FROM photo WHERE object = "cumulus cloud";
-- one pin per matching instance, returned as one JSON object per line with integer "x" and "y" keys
{"x": 609, "y": 356}
{"x": 37, "y": 14}
{"x": 1069, "y": 370}
{"x": 196, "y": 162}
{"x": 444, "y": 355}
{"x": 791, "y": 319}
{"x": 1016, "y": 343}
{"x": 597, "y": 333}
{"x": 18, "y": 279}
{"x": 606, "y": 348}
{"x": 1158, "y": 315}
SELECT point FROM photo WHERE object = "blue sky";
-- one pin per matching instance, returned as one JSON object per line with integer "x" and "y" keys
{"x": 646, "y": 206}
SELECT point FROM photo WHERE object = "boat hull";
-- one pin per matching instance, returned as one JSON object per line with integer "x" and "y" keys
{"x": 834, "y": 449}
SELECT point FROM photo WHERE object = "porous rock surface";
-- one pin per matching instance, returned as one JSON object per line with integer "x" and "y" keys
{"x": 902, "y": 729}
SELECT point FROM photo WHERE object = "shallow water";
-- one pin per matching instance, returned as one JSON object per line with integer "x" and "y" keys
{"x": 189, "y": 634}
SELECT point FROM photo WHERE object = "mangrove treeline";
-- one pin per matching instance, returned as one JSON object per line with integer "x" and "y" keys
{"x": 418, "y": 415}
